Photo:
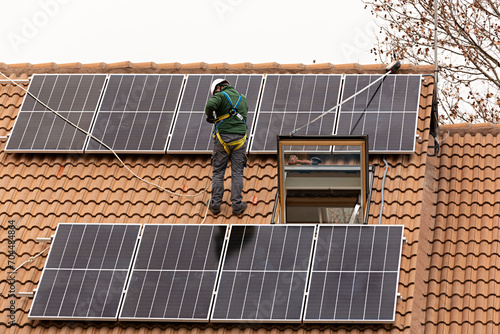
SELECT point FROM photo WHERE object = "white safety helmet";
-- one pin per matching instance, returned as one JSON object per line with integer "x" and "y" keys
{"x": 215, "y": 83}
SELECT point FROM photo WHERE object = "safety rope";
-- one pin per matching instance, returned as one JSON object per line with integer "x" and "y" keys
{"x": 31, "y": 259}
{"x": 105, "y": 145}
{"x": 206, "y": 212}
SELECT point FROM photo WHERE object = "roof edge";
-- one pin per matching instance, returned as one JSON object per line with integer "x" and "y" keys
{"x": 202, "y": 67}
{"x": 467, "y": 128}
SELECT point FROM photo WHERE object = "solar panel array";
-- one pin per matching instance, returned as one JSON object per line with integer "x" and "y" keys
{"x": 86, "y": 271}
{"x": 191, "y": 132}
{"x": 289, "y": 101}
{"x": 387, "y": 111}
{"x": 175, "y": 271}
{"x": 136, "y": 113}
{"x": 151, "y": 113}
{"x": 257, "y": 273}
{"x": 74, "y": 96}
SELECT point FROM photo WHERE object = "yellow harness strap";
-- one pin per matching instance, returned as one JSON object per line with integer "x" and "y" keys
{"x": 237, "y": 143}
{"x": 218, "y": 119}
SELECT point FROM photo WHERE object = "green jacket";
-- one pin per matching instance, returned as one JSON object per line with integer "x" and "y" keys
{"x": 219, "y": 104}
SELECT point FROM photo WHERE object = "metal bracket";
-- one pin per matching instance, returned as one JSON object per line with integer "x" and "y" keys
{"x": 26, "y": 294}
{"x": 46, "y": 240}
{"x": 436, "y": 147}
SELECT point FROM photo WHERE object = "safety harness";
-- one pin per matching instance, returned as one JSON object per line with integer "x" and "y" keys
{"x": 219, "y": 120}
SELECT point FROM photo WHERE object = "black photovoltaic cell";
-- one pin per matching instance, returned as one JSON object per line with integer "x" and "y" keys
{"x": 136, "y": 113}
{"x": 355, "y": 274}
{"x": 175, "y": 273}
{"x": 86, "y": 271}
{"x": 290, "y": 101}
{"x": 264, "y": 274}
{"x": 191, "y": 133}
{"x": 74, "y": 96}
{"x": 387, "y": 112}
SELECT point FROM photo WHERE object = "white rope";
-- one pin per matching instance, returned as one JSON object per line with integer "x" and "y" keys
{"x": 105, "y": 145}
{"x": 206, "y": 212}
{"x": 31, "y": 259}
{"x": 340, "y": 103}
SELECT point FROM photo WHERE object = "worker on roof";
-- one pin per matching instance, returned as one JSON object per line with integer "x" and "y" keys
{"x": 230, "y": 108}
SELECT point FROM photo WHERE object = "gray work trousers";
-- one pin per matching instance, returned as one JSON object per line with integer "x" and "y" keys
{"x": 219, "y": 163}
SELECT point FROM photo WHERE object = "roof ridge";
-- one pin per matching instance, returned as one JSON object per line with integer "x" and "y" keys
{"x": 202, "y": 67}
{"x": 468, "y": 128}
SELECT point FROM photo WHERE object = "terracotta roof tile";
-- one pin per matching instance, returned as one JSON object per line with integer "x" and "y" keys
{"x": 266, "y": 66}
{"x": 174, "y": 66}
{"x": 97, "y": 66}
{"x": 123, "y": 64}
{"x": 70, "y": 65}
{"x": 201, "y": 65}
{"x": 348, "y": 68}
{"x": 220, "y": 66}
{"x": 148, "y": 64}
{"x": 50, "y": 66}
{"x": 298, "y": 67}
{"x": 242, "y": 66}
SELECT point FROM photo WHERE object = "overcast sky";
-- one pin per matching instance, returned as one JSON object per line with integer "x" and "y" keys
{"x": 231, "y": 31}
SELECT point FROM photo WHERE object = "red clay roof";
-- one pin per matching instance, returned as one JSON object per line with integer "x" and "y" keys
{"x": 464, "y": 280}
{"x": 448, "y": 205}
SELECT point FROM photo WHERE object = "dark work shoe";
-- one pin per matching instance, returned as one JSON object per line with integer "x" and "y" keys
{"x": 214, "y": 210}
{"x": 241, "y": 209}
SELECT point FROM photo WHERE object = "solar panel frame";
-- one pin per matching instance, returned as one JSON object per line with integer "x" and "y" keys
{"x": 194, "y": 117}
{"x": 141, "y": 127}
{"x": 369, "y": 112}
{"x": 335, "y": 269}
{"x": 324, "y": 126}
{"x": 109, "y": 286}
{"x": 171, "y": 304}
{"x": 262, "y": 263}
{"x": 47, "y": 128}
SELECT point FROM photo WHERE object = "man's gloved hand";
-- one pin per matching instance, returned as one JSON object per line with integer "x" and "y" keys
{"x": 210, "y": 119}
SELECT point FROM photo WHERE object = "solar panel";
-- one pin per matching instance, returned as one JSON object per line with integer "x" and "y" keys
{"x": 85, "y": 273}
{"x": 387, "y": 112}
{"x": 264, "y": 274}
{"x": 136, "y": 113}
{"x": 175, "y": 272}
{"x": 191, "y": 133}
{"x": 355, "y": 274}
{"x": 290, "y": 101}
{"x": 74, "y": 96}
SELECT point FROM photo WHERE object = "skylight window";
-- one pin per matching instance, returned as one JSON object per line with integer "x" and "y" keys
{"x": 323, "y": 187}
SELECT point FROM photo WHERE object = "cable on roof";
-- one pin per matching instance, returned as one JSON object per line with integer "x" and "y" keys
{"x": 31, "y": 259}
{"x": 104, "y": 144}
{"x": 206, "y": 212}
{"x": 382, "y": 191}
{"x": 392, "y": 68}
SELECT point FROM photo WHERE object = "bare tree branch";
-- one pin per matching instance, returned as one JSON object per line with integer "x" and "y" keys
{"x": 468, "y": 34}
